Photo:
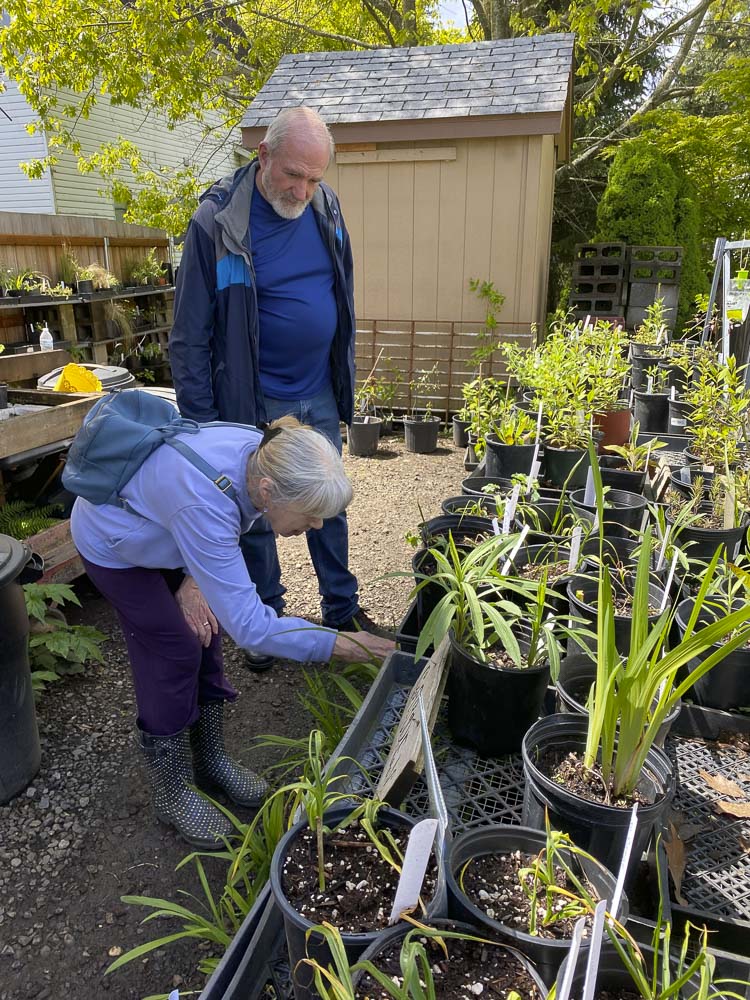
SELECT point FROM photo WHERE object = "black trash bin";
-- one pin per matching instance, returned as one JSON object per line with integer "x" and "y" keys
{"x": 20, "y": 753}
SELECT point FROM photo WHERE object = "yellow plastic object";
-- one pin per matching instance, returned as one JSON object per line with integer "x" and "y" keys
{"x": 76, "y": 378}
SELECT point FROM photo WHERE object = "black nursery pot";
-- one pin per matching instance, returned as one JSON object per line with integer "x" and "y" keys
{"x": 623, "y": 514}
{"x": 559, "y": 464}
{"x": 459, "y": 525}
{"x": 651, "y": 410}
{"x": 506, "y": 460}
{"x": 678, "y": 416}
{"x": 614, "y": 475}
{"x": 584, "y": 606}
{"x": 540, "y": 518}
{"x": 597, "y": 828}
{"x": 547, "y": 954}
{"x": 461, "y": 432}
{"x": 490, "y": 708}
{"x": 363, "y": 436}
{"x": 456, "y": 505}
{"x": 296, "y": 925}
{"x": 421, "y": 436}
{"x": 550, "y": 552}
{"x": 396, "y": 934}
{"x": 727, "y": 685}
{"x": 705, "y": 541}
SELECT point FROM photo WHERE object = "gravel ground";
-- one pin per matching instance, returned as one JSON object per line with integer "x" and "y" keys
{"x": 83, "y": 835}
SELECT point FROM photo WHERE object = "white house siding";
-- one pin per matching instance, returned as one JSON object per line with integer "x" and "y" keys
{"x": 17, "y": 192}
{"x": 79, "y": 194}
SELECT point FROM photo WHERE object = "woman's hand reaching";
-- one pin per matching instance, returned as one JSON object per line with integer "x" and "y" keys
{"x": 198, "y": 615}
{"x": 349, "y": 647}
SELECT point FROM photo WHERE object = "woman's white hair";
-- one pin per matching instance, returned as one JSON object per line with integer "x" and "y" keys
{"x": 304, "y": 468}
{"x": 301, "y": 120}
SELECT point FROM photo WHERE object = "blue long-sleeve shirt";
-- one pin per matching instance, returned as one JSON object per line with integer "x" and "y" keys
{"x": 183, "y": 521}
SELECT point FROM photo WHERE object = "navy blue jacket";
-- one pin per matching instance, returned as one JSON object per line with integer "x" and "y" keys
{"x": 213, "y": 346}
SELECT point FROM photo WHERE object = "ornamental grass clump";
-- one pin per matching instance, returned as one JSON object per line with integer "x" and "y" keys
{"x": 633, "y": 694}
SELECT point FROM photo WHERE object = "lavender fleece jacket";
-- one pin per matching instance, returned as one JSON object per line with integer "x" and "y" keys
{"x": 187, "y": 523}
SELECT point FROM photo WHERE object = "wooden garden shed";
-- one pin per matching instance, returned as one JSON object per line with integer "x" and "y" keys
{"x": 445, "y": 166}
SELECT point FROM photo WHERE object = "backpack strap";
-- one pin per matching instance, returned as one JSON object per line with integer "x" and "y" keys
{"x": 220, "y": 481}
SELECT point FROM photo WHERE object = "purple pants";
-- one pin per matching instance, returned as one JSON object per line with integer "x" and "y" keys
{"x": 172, "y": 672}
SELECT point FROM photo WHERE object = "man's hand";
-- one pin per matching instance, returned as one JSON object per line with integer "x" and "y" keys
{"x": 198, "y": 615}
{"x": 354, "y": 647}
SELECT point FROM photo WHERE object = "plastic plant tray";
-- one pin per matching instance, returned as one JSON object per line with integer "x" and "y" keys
{"x": 716, "y": 880}
{"x": 478, "y": 791}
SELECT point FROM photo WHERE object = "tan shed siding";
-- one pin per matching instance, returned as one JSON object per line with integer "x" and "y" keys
{"x": 79, "y": 194}
{"x": 17, "y": 192}
{"x": 422, "y": 228}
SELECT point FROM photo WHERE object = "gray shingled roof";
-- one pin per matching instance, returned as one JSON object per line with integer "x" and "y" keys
{"x": 509, "y": 76}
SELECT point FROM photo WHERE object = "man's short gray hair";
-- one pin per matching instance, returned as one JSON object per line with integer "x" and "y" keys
{"x": 305, "y": 469}
{"x": 301, "y": 120}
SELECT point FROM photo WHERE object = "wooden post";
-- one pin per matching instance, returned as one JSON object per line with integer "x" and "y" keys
{"x": 405, "y": 760}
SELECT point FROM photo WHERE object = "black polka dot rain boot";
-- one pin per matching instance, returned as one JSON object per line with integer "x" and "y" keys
{"x": 214, "y": 768}
{"x": 170, "y": 772}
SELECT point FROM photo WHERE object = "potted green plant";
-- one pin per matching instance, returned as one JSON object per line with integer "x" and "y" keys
{"x": 718, "y": 400}
{"x": 629, "y": 463}
{"x": 304, "y": 871}
{"x": 363, "y": 434}
{"x": 504, "y": 644}
{"x": 567, "y": 435}
{"x": 711, "y": 514}
{"x": 386, "y": 389}
{"x": 510, "y": 442}
{"x": 527, "y": 887}
{"x": 421, "y": 426}
{"x": 95, "y": 278}
{"x": 418, "y": 961}
{"x": 727, "y": 686}
{"x": 651, "y": 405}
{"x": 610, "y": 757}
{"x": 149, "y": 271}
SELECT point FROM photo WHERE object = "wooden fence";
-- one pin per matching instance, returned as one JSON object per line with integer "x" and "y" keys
{"x": 413, "y": 346}
{"x": 34, "y": 242}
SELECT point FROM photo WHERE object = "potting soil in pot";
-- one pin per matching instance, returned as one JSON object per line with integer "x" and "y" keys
{"x": 535, "y": 570}
{"x": 492, "y": 883}
{"x": 567, "y": 770}
{"x": 471, "y": 969}
{"x": 360, "y": 884}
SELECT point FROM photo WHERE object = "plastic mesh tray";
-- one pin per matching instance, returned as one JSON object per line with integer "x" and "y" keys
{"x": 477, "y": 790}
{"x": 716, "y": 881}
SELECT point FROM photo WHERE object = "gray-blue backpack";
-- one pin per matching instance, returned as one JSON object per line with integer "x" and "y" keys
{"x": 118, "y": 434}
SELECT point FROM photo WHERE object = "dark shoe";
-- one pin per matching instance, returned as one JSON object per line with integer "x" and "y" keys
{"x": 214, "y": 768}
{"x": 258, "y": 663}
{"x": 170, "y": 773}
{"x": 361, "y": 622}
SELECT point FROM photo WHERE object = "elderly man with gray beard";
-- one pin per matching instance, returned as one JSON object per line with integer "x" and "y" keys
{"x": 264, "y": 326}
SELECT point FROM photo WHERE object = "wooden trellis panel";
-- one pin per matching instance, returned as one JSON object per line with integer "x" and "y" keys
{"x": 414, "y": 347}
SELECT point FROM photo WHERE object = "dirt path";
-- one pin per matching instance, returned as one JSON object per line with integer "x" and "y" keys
{"x": 83, "y": 835}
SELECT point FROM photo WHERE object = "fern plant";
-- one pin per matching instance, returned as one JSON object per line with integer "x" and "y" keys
{"x": 20, "y": 519}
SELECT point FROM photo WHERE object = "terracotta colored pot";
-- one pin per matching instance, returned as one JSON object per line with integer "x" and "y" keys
{"x": 614, "y": 425}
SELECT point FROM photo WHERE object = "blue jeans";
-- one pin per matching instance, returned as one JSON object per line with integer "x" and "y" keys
{"x": 329, "y": 546}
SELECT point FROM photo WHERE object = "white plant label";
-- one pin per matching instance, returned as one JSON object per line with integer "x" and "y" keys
{"x": 496, "y": 526}
{"x": 592, "y": 959}
{"x": 650, "y": 384}
{"x": 678, "y": 422}
{"x": 625, "y": 860}
{"x": 673, "y": 392}
{"x": 510, "y": 508}
{"x": 663, "y": 549}
{"x": 570, "y": 966}
{"x": 668, "y": 584}
{"x": 729, "y": 507}
{"x": 575, "y": 547}
{"x": 631, "y": 397}
{"x": 416, "y": 859}
{"x": 533, "y": 473}
{"x": 515, "y": 550}
{"x": 589, "y": 494}
{"x": 685, "y": 475}
{"x": 644, "y": 520}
